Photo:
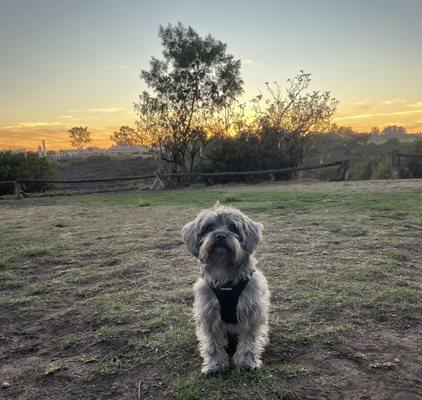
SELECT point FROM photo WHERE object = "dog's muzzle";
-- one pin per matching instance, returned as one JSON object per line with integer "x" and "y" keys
{"x": 220, "y": 240}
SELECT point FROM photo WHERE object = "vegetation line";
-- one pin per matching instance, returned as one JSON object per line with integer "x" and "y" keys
{"x": 186, "y": 174}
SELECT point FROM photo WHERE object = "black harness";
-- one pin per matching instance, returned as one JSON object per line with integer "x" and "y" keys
{"x": 228, "y": 297}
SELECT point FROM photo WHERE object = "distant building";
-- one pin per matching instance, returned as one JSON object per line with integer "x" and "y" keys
{"x": 20, "y": 150}
{"x": 125, "y": 149}
{"x": 115, "y": 150}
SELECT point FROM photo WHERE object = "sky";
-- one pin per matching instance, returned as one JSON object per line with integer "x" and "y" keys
{"x": 67, "y": 63}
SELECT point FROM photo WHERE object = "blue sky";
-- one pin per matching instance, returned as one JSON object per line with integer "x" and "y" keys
{"x": 67, "y": 63}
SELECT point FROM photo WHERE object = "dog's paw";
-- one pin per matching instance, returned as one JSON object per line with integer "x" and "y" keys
{"x": 248, "y": 363}
{"x": 212, "y": 368}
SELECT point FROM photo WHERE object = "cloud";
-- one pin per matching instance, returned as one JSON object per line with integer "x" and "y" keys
{"x": 22, "y": 125}
{"x": 416, "y": 104}
{"x": 104, "y": 110}
{"x": 107, "y": 110}
{"x": 395, "y": 101}
{"x": 362, "y": 116}
{"x": 116, "y": 67}
{"x": 249, "y": 61}
{"x": 360, "y": 104}
{"x": 67, "y": 117}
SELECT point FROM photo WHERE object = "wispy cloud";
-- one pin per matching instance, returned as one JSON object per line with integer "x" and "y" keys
{"x": 362, "y": 116}
{"x": 360, "y": 104}
{"x": 37, "y": 124}
{"x": 105, "y": 110}
{"x": 395, "y": 101}
{"x": 416, "y": 104}
{"x": 66, "y": 116}
{"x": 249, "y": 61}
{"x": 116, "y": 67}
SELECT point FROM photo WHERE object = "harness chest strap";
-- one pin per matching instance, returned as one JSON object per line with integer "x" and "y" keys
{"x": 228, "y": 297}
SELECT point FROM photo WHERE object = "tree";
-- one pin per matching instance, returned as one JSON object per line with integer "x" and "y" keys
{"x": 288, "y": 120}
{"x": 79, "y": 137}
{"x": 125, "y": 136}
{"x": 375, "y": 131}
{"x": 195, "y": 79}
{"x": 394, "y": 131}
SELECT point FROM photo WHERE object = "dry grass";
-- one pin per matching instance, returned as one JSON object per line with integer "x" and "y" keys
{"x": 96, "y": 294}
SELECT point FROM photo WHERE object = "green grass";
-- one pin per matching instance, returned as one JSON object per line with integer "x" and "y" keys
{"x": 267, "y": 199}
{"x": 106, "y": 333}
{"x": 109, "y": 366}
{"x": 68, "y": 342}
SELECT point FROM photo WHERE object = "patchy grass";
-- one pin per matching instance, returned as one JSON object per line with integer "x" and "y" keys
{"x": 109, "y": 366}
{"x": 106, "y": 333}
{"x": 96, "y": 294}
{"x": 386, "y": 365}
{"x": 51, "y": 369}
{"x": 68, "y": 342}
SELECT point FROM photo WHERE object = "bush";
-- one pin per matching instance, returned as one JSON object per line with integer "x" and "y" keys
{"x": 24, "y": 166}
{"x": 412, "y": 166}
{"x": 381, "y": 169}
{"x": 331, "y": 174}
{"x": 244, "y": 152}
{"x": 373, "y": 167}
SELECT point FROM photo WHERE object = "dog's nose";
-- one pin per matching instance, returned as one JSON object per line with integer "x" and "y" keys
{"x": 220, "y": 236}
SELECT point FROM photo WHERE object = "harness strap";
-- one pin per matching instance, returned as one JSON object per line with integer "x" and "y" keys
{"x": 228, "y": 297}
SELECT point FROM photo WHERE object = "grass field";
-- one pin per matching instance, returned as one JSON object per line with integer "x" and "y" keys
{"x": 96, "y": 294}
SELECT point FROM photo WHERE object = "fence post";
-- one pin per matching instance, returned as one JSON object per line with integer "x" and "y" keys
{"x": 395, "y": 164}
{"x": 346, "y": 170}
{"x": 17, "y": 189}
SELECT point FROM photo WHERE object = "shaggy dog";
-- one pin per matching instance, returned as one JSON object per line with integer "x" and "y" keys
{"x": 231, "y": 295}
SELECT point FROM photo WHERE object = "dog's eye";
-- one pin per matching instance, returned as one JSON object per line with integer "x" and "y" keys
{"x": 206, "y": 229}
{"x": 233, "y": 228}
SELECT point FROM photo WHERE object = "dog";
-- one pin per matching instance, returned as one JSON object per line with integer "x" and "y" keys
{"x": 231, "y": 296}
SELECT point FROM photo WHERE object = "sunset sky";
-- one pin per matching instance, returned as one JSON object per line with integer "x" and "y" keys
{"x": 71, "y": 63}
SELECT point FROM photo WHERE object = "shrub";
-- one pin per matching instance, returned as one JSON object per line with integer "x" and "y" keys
{"x": 381, "y": 169}
{"x": 24, "y": 166}
{"x": 244, "y": 152}
{"x": 373, "y": 167}
{"x": 412, "y": 166}
{"x": 330, "y": 174}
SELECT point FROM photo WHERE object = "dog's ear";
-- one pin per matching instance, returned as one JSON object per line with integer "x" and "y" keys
{"x": 253, "y": 234}
{"x": 190, "y": 237}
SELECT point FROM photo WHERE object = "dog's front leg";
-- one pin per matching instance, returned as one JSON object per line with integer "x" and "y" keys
{"x": 252, "y": 340}
{"x": 211, "y": 345}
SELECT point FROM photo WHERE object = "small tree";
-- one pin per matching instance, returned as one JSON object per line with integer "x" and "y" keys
{"x": 394, "y": 131}
{"x": 125, "y": 136}
{"x": 195, "y": 79}
{"x": 288, "y": 120}
{"x": 79, "y": 137}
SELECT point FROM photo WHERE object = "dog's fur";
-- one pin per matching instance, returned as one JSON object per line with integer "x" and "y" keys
{"x": 221, "y": 262}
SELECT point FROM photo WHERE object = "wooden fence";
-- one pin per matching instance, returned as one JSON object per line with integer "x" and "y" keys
{"x": 343, "y": 165}
{"x": 395, "y": 162}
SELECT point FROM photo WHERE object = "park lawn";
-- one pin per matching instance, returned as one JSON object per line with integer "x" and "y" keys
{"x": 96, "y": 293}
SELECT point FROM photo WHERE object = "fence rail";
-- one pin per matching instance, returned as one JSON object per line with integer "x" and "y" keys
{"x": 344, "y": 164}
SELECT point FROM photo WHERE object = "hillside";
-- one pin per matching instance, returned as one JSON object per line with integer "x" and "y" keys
{"x": 104, "y": 167}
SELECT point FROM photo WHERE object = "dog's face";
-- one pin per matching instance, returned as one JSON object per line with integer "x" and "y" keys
{"x": 222, "y": 233}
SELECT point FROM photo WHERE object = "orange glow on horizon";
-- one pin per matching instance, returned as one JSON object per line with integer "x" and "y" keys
{"x": 29, "y": 135}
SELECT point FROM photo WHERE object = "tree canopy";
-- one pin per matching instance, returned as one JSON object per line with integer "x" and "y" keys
{"x": 125, "y": 136}
{"x": 79, "y": 137}
{"x": 195, "y": 78}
